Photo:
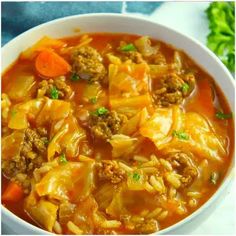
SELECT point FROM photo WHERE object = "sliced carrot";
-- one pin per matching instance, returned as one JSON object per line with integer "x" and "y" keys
{"x": 50, "y": 64}
{"x": 44, "y": 43}
{"x": 13, "y": 193}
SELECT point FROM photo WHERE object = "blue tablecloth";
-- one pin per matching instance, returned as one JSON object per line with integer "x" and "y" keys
{"x": 18, "y": 17}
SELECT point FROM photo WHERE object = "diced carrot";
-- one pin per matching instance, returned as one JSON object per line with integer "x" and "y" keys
{"x": 50, "y": 64}
{"x": 13, "y": 193}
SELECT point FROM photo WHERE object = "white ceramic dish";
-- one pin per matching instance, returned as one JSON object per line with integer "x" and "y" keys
{"x": 133, "y": 25}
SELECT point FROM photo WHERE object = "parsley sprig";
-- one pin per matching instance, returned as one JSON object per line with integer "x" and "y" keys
{"x": 180, "y": 135}
{"x": 100, "y": 111}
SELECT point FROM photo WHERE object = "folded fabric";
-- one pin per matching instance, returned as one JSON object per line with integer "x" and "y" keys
{"x": 18, "y": 17}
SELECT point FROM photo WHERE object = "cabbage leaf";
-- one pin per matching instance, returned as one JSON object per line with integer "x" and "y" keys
{"x": 72, "y": 181}
{"x": 172, "y": 129}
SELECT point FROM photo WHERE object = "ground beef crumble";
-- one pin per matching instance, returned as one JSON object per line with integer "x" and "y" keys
{"x": 88, "y": 65}
{"x": 185, "y": 167}
{"x": 110, "y": 171}
{"x": 148, "y": 226}
{"x": 143, "y": 226}
{"x": 103, "y": 127}
{"x": 32, "y": 155}
{"x": 134, "y": 56}
{"x": 64, "y": 91}
{"x": 171, "y": 90}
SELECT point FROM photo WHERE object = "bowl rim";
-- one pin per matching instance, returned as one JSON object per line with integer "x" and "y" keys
{"x": 229, "y": 176}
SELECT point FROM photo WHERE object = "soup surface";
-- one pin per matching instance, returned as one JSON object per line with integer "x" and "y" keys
{"x": 110, "y": 134}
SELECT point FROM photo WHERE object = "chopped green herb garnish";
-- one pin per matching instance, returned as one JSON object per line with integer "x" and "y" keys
{"x": 74, "y": 77}
{"x": 222, "y": 116}
{"x": 185, "y": 87}
{"x": 93, "y": 100}
{"x": 54, "y": 93}
{"x": 180, "y": 135}
{"x": 46, "y": 141}
{"x": 62, "y": 159}
{"x": 136, "y": 176}
{"x": 128, "y": 47}
{"x": 13, "y": 112}
{"x": 214, "y": 178}
{"x": 100, "y": 111}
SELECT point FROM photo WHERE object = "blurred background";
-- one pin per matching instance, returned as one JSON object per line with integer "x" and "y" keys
{"x": 29, "y": 14}
{"x": 204, "y": 21}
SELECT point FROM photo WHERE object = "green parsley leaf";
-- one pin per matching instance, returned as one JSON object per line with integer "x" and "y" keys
{"x": 100, "y": 111}
{"x": 214, "y": 178}
{"x": 136, "y": 176}
{"x": 62, "y": 159}
{"x": 46, "y": 141}
{"x": 128, "y": 47}
{"x": 93, "y": 100}
{"x": 185, "y": 88}
{"x": 54, "y": 93}
{"x": 13, "y": 112}
{"x": 180, "y": 135}
{"x": 220, "y": 115}
{"x": 221, "y": 39}
{"x": 75, "y": 77}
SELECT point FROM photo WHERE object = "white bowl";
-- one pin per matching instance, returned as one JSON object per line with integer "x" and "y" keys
{"x": 132, "y": 25}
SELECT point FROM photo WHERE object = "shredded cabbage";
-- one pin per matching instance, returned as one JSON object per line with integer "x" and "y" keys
{"x": 199, "y": 136}
{"x": 144, "y": 46}
{"x": 72, "y": 181}
{"x": 43, "y": 212}
{"x": 122, "y": 145}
